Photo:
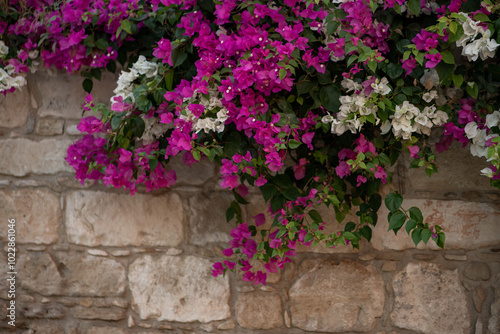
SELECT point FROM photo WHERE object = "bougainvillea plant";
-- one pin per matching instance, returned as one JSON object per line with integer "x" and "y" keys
{"x": 309, "y": 101}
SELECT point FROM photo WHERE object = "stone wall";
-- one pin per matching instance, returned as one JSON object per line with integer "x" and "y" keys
{"x": 94, "y": 260}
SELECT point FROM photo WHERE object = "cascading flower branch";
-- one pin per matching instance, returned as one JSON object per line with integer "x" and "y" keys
{"x": 309, "y": 101}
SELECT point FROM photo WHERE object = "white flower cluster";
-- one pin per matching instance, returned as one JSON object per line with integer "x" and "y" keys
{"x": 356, "y": 105}
{"x": 408, "y": 119}
{"x": 474, "y": 47}
{"x": 124, "y": 85}
{"x": 211, "y": 104}
{"x": 479, "y": 137}
{"x": 7, "y": 81}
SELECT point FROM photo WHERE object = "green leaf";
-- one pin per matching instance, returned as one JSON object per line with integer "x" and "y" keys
{"x": 448, "y": 57}
{"x": 293, "y": 144}
{"x": 350, "y": 226}
{"x": 349, "y": 236}
{"x": 196, "y": 155}
{"x": 426, "y": 234}
{"x": 291, "y": 194}
{"x": 229, "y": 214}
{"x": 153, "y": 163}
{"x": 127, "y": 27}
{"x": 116, "y": 121}
{"x": 102, "y": 44}
{"x": 397, "y": 220}
{"x": 268, "y": 190}
{"x": 394, "y": 71}
{"x": 169, "y": 80}
{"x": 414, "y": 6}
{"x": 283, "y": 181}
{"x": 304, "y": 86}
{"x": 282, "y": 73}
{"x": 416, "y": 236}
{"x": 87, "y": 85}
{"x": 481, "y": 17}
{"x": 366, "y": 232}
{"x": 473, "y": 91}
{"x": 410, "y": 225}
{"x": 458, "y": 80}
{"x": 315, "y": 216}
{"x": 330, "y": 97}
{"x": 308, "y": 237}
{"x": 372, "y": 65}
{"x": 416, "y": 214}
{"x": 137, "y": 126}
{"x": 393, "y": 201}
{"x": 441, "y": 239}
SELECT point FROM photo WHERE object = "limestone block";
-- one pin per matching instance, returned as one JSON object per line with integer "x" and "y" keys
{"x": 98, "y": 313}
{"x": 196, "y": 174}
{"x": 42, "y": 311}
{"x": 108, "y": 219}
{"x": 259, "y": 310}
{"x": 477, "y": 271}
{"x": 467, "y": 225}
{"x": 72, "y": 274}
{"x": 62, "y": 95}
{"x": 178, "y": 288}
{"x": 494, "y": 321}
{"x": 429, "y": 300}
{"x": 23, "y": 156}
{"x": 105, "y": 330}
{"x": 451, "y": 173}
{"x": 478, "y": 297}
{"x": 49, "y": 126}
{"x": 207, "y": 218}
{"x": 329, "y": 297}
{"x": 37, "y": 214}
{"x": 14, "y": 108}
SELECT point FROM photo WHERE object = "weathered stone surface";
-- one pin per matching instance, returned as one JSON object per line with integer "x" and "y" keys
{"x": 478, "y": 297}
{"x": 259, "y": 310}
{"x": 178, "y": 288}
{"x": 15, "y": 108}
{"x": 98, "y": 313}
{"x": 494, "y": 321}
{"x": 42, "y": 311}
{"x": 41, "y": 328}
{"x": 37, "y": 214}
{"x": 62, "y": 95}
{"x": 430, "y": 300}
{"x": 4, "y": 284}
{"x": 196, "y": 174}
{"x": 467, "y": 225}
{"x": 230, "y": 324}
{"x": 71, "y": 274}
{"x": 451, "y": 173}
{"x": 105, "y": 330}
{"x": 25, "y": 156}
{"x": 107, "y": 219}
{"x": 207, "y": 218}
{"x": 49, "y": 126}
{"x": 336, "y": 298}
{"x": 477, "y": 271}
{"x": 389, "y": 266}
{"x": 455, "y": 257}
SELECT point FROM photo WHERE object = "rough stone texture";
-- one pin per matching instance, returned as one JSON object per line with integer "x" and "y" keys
{"x": 336, "y": 298}
{"x": 71, "y": 274}
{"x": 259, "y": 310}
{"x": 15, "y": 108}
{"x": 207, "y": 218}
{"x": 196, "y": 174}
{"x": 62, "y": 95}
{"x": 97, "y": 313}
{"x": 451, "y": 174}
{"x": 25, "y": 156}
{"x": 478, "y": 297}
{"x": 178, "y": 288}
{"x": 494, "y": 321}
{"x": 49, "y": 126}
{"x": 430, "y": 300}
{"x": 41, "y": 311}
{"x": 477, "y": 271}
{"x": 4, "y": 284}
{"x": 105, "y": 330}
{"x": 467, "y": 225}
{"x": 37, "y": 214}
{"x": 107, "y": 219}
